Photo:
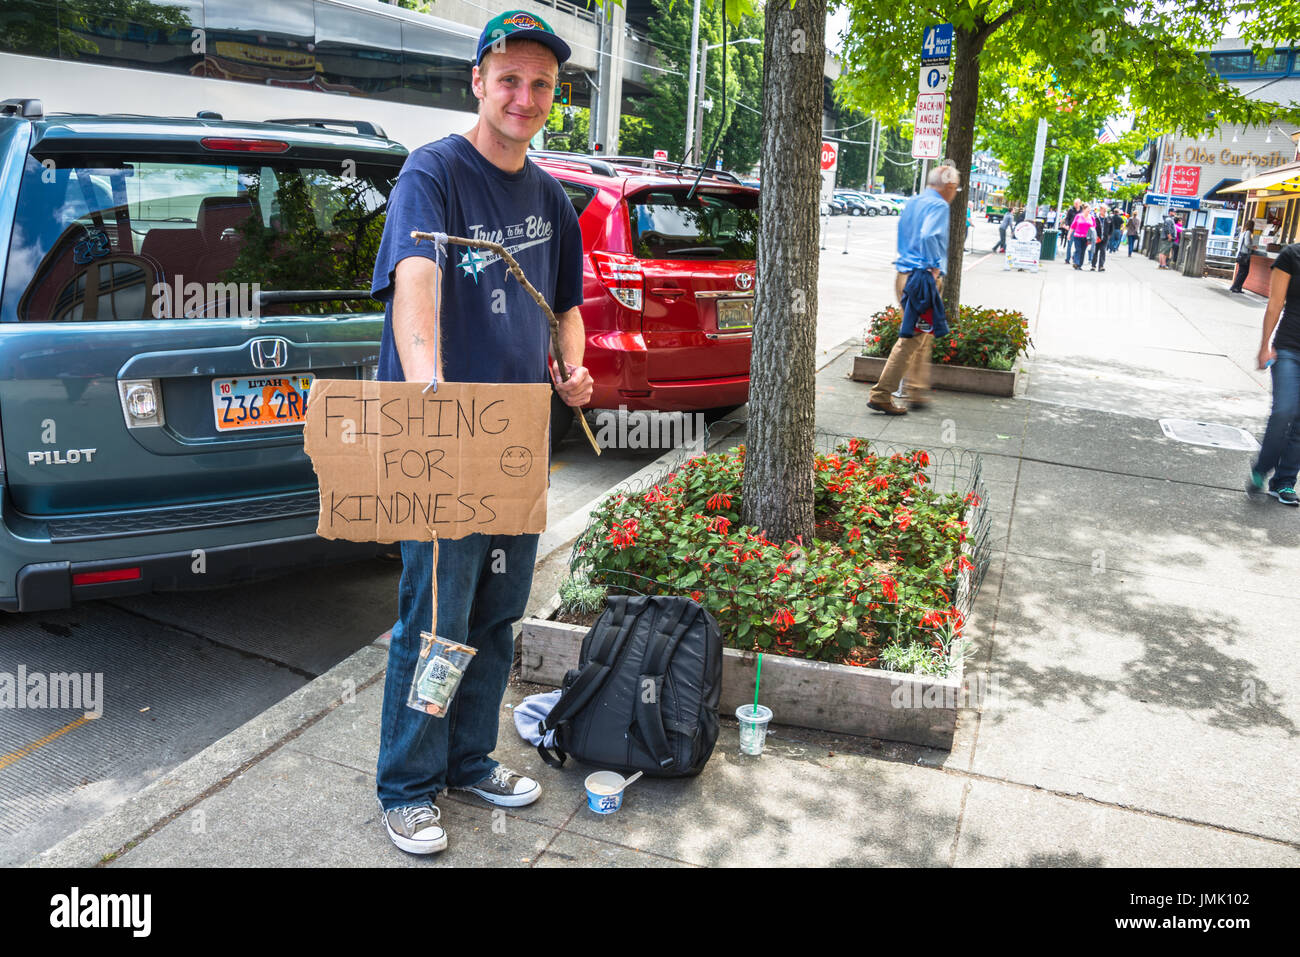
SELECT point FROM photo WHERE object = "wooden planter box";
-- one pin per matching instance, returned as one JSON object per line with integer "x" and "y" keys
{"x": 808, "y": 694}
{"x": 953, "y": 378}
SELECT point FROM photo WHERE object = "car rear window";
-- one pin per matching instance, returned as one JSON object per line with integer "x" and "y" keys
{"x": 144, "y": 238}
{"x": 710, "y": 225}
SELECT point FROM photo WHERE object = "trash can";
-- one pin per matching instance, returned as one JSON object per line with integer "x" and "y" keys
{"x": 1047, "y": 252}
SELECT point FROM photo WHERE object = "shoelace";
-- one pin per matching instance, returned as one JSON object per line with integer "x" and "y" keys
{"x": 415, "y": 816}
{"x": 501, "y": 776}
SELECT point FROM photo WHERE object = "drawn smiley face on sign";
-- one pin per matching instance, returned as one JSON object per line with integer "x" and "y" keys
{"x": 516, "y": 461}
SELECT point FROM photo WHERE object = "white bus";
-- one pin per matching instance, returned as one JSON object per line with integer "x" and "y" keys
{"x": 405, "y": 72}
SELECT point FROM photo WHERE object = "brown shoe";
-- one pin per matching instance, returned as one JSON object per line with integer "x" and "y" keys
{"x": 889, "y": 409}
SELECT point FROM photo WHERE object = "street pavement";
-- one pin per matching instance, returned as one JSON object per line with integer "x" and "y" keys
{"x": 1133, "y": 634}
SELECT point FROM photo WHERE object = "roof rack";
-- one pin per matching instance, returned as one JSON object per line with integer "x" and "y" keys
{"x": 29, "y": 109}
{"x": 364, "y": 127}
{"x": 668, "y": 166}
{"x": 596, "y": 165}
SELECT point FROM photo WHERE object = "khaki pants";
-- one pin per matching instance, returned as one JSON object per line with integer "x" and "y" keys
{"x": 910, "y": 357}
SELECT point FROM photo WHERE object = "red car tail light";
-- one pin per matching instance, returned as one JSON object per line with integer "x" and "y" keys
{"x": 239, "y": 144}
{"x": 622, "y": 276}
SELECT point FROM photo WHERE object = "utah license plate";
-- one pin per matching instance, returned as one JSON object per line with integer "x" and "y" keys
{"x": 260, "y": 402}
{"x": 735, "y": 313}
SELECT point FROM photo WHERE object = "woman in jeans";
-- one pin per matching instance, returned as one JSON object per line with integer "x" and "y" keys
{"x": 1279, "y": 452}
{"x": 1083, "y": 222}
{"x": 1131, "y": 232}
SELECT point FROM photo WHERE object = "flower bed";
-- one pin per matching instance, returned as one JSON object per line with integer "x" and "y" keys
{"x": 877, "y": 587}
{"x": 980, "y": 338}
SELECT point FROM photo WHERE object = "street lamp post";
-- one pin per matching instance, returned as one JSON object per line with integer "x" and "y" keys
{"x": 698, "y": 94}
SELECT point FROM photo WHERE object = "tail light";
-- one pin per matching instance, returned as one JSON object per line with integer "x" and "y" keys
{"x": 622, "y": 276}
{"x": 239, "y": 144}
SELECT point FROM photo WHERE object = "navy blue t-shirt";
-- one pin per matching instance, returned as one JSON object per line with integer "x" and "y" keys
{"x": 492, "y": 330}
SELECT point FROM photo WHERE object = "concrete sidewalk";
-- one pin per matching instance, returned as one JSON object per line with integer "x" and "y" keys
{"x": 1135, "y": 622}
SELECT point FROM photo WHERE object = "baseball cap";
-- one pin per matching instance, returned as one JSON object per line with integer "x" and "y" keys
{"x": 513, "y": 24}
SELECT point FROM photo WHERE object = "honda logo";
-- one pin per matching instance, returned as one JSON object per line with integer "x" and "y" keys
{"x": 270, "y": 353}
{"x": 744, "y": 280}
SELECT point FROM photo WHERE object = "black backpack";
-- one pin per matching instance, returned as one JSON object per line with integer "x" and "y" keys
{"x": 644, "y": 696}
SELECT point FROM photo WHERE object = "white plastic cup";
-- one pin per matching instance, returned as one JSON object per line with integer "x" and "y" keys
{"x": 753, "y": 727}
{"x": 605, "y": 791}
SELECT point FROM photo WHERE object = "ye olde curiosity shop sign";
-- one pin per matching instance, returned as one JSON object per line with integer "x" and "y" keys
{"x": 397, "y": 463}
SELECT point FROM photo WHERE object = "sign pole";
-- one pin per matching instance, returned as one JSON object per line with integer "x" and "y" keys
{"x": 1036, "y": 177}
{"x": 690, "y": 88}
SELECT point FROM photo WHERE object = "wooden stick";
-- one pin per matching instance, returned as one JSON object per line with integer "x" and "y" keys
{"x": 513, "y": 265}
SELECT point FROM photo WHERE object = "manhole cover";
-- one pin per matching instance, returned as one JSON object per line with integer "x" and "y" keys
{"x": 1209, "y": 433}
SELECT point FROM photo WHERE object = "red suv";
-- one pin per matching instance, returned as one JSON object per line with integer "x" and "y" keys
{"x": 668, "y": 286}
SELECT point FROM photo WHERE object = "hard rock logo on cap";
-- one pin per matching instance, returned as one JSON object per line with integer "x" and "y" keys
{"x": 523, "y": 21}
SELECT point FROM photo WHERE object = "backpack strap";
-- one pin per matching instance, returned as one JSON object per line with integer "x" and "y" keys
{"x": 654, "y": 665}
{"x": 590, "y": 680}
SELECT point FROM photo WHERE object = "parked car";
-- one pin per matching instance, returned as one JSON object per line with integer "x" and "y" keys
{"x": 668, "y": 280}
{"x": 152, "y": 398}
{"x": 856, "y": 205}
{"x": 884, "y": 206}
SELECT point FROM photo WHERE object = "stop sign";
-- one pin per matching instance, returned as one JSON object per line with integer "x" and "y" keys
{"x": 829, "y": 156}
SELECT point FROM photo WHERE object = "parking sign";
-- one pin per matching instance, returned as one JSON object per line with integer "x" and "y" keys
{"x": 936, "y": 43}
{"x": 927, "y": 138}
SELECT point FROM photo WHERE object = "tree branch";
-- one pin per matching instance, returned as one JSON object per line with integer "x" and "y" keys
{"x": 986, "y": 30}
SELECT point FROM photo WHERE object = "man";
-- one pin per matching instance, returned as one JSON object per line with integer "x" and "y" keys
{"x": 1166, "y": 241}
{"x": 921, "y": 264}
{"x": 450, "y": 327}
{"x": 1246, "y": 244}
{"x": 1279, "y": 450}
{"x": 1008, "y": 220}
{"x": 1105, "y": 228}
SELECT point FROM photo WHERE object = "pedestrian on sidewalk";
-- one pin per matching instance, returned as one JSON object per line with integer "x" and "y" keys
{"x": 1116, "y": 229}
{"x": 1166, "y": 241}
{"x": 921, "y": 264}
{"x": 1008, "y": 220}
{"x": 1279, "y": 451}
{"x": 1082, "y": 230}
{"x": 1246, "y": 244}
{"x": 1178, "y": 239}
{"x": 1131, "y": 233}
{"x": 481, "y": 182}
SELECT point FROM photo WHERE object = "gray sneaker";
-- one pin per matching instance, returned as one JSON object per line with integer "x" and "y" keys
{"x": 1286, "y": 496}
{"x": 415, "y": 829}
{"x": 506, "y": 788}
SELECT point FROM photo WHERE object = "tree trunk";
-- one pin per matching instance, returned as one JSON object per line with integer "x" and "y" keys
{"x": 777, "y": 494}
{"x": 964, "y": 93}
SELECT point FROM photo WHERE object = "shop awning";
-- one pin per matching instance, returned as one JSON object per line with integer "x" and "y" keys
{"x": 1214, "y": 195}
{"x": 1286, "y": 179}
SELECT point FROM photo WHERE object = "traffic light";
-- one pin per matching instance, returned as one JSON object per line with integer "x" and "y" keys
{"x": 566, "y": 94}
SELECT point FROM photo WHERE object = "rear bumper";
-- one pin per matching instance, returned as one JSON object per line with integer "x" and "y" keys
{"x": 164, "y": 549}
{"x": 618, "y": 363}
{"x": 44, "y": 586}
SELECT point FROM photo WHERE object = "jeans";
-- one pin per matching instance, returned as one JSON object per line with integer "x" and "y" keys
{"x": 1279, "y": 452}
{"x": 1132, "y": 243}
{"x": 1099, "y": 259}
{"x": 1242, "y": 271}
{"x": 481, "y": 594}
{"x": 1079, "y": 243}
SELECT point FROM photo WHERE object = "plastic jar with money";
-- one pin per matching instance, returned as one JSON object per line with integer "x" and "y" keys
{"x": 437, "y": 674}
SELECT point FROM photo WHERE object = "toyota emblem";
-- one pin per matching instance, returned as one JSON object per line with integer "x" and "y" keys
{"x": 744, "y": 280}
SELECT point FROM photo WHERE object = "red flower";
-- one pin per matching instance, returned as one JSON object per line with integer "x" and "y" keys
{"x": 890, "y": 588}
{"x": 964, "y": 564}
{"x": 720, "y": 524}
{"x": 855, "y": 533}
{"x": 932, "y": 619}
{"x": 922, "y": 458}
{"x": 718, "y": 501}
{"x": 904, "y": 519}
{"x": 622, "y": 534}
{"x": 782, "y": 620}
{"x": 654, "y": 495}
{"x": 880, "y": 482}
{"x": 697, "y": 596}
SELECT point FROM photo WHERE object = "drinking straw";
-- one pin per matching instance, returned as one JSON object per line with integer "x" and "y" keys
{"x": 758, "y": 676}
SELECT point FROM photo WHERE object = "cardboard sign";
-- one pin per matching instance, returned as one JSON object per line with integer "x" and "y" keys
{"x": 397, "y": 463}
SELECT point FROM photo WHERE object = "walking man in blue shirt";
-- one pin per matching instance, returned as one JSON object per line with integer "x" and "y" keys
{"x": 922, "y": 247}
{"x": 442, "y": 322}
